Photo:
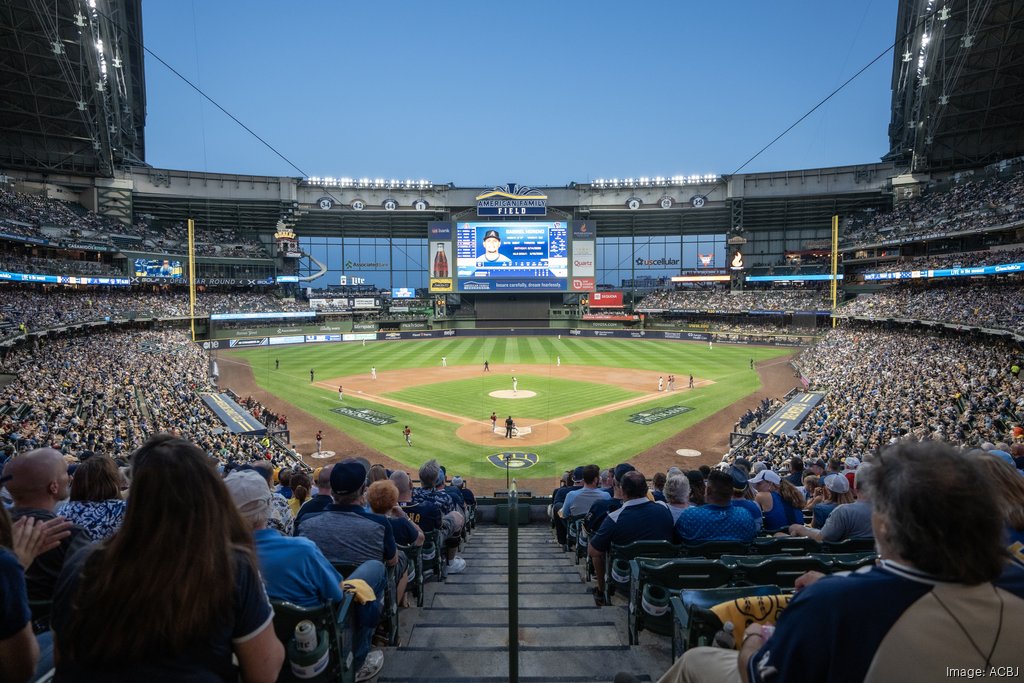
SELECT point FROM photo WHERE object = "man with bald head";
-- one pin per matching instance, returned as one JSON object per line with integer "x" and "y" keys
{"x": 38, "y": 480}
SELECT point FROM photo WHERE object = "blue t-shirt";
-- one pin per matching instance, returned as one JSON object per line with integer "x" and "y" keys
{"x": 750, "y": 506}
{"x": 637, "y": 520}
{"x": 821, "y": 513}
{"x": 716, "y": 523}
{"x": 14, "y": 611}
{"x": 405, "y": 531}
{"x": 295, "y": 570}
{"x": 782, "y": 513}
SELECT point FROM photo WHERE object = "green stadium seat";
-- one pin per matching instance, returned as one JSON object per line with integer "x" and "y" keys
{"x": 780, "y": 570}
{"x": 785, "y": 545}
{"x": 652, "y": 581}
{"x": 389, "y": 616}
{"x": 414, "y": 554}
{"x": 850, "y": 545}
{"x": 335, "y": 621}
{"x": 693, "y": 622}
{"x": 714, "y": 549}
{"x": 839, "y": 562}
{"x": 629, "y": 551}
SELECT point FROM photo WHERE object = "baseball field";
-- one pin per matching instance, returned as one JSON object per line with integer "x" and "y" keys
{"x": 573, "y": 400}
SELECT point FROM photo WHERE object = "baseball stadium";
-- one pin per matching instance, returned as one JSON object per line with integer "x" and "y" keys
{"x": 405, "y": 430}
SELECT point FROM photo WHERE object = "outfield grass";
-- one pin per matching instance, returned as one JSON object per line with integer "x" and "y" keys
{"x": 606, "y": 439}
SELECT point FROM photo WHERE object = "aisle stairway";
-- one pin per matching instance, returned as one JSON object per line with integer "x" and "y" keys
{"x": 461, "y": 633}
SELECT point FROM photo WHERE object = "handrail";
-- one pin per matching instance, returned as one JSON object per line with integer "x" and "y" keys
{"x": 513, "y": 583}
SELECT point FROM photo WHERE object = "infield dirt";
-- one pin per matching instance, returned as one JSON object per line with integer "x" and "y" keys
{"x": 709, "y": 436}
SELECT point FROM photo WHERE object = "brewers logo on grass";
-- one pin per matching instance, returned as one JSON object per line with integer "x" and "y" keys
{"x": 657, "y": 414}
{"x": 366, "y": 415}
{"x": 516, "y": 460}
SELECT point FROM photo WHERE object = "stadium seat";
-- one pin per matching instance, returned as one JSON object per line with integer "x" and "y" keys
{"x": 784, "y": 545}
{"x": 839, "y": 562}
{"x": 433, "y": 555}
{"x": 780, "y": 570}
{"x": 389, "y": 617}
{"x": 653, "y": 580}
{"x": 414, "y": 554}
{"x": 693, "y": 622}
{"x": 335, "y": 621}
{"x": 715, "y": 549}
{"x": 850, "y": 545}
{"x": 629, "y": 551}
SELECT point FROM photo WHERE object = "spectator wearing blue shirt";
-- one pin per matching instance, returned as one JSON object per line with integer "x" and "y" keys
{"x": 639, "y": 519}
{"x": 719, "y": 519}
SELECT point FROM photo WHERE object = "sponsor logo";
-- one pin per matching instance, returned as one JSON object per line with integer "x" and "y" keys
{"x": 583, "y": 284}
{"x": 583, "y": 230}
{"x": 392, "y": 335}
{"x": 636, "y": 335}
{"x": 365, "y": 327}
{"x": 476, "y": 286}
{"x": 439, "y": 231}
{"x": 737, "y": 261}
{"x": 349, "y": 265}
{"x": 366, "y": 415}
{"x": 513, "y": 460}
{"x": 420, "y": 335}
{"x": 603, "y": 333}
{"x": 706, "y": 260}
{"x": 657, "y": 262}
{"x": 512, "y": 200}
{"x": 580, "y": 263}
{"x": 440, "y": 284}
{"x": 657, "y": 414}
{"x": 673, "y": 335}
{"x": 448, "y": 333}
{"x": 262, "y": 341}
{"x": 575, "y": 333}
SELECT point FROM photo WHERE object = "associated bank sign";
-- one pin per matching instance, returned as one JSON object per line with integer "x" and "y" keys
{"x": 512, "y": 200}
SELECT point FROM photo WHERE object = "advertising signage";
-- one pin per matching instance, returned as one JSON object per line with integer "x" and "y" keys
{"x": 606, "y": 300}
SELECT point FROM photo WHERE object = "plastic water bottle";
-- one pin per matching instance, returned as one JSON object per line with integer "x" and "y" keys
{"x": 725, "y": 638}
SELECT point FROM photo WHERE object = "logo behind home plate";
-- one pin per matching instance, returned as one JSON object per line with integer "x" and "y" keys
{"x": 517, "y": 460}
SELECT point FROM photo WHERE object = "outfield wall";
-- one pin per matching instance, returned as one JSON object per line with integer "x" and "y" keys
{"x": 506, "y": 332}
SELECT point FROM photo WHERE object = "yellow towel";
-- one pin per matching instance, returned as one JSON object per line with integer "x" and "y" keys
{"x": 761, "y": 609}
{"x": 361, "y": 591}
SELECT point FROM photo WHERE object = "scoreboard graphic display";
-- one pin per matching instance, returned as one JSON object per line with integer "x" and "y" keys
{"x": 517, "y": 256}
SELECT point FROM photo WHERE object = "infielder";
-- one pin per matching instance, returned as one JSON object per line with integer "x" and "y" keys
{"x": 373, "y": 372}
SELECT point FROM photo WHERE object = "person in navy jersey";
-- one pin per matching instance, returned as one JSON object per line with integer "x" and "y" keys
{"x": 383, "y": 499}
{"x": 320, "y": 501}
{"x": 639, "y": 519}
{"x": 740, "y": 493}
{"x": 425, "y": 514}
{"x": 719, "y": 519}
{"x": 944, "y": 601}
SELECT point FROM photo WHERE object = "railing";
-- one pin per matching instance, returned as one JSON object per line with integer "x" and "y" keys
{"x": 513, "y": 583}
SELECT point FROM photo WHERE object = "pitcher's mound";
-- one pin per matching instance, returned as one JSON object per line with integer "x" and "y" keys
{"x": 688, "y": 452}
{"x": 523, "y": 393}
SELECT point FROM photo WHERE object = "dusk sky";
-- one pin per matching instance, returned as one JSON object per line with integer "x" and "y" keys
{"x": 539, "y": 93}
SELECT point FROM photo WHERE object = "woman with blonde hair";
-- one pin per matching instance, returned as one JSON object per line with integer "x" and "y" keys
{"x": 175, "y": 594}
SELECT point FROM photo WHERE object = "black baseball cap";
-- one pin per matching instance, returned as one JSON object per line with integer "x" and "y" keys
{"x": 492, "y": 233}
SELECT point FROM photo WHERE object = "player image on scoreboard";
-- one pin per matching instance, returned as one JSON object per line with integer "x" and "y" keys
{"x": 521, "y": 250}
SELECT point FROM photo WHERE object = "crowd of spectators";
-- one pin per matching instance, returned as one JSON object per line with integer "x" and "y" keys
{"x": 25, "y": 214}
{"x": 108, "y": 392}
{"x": 883, "y": 385}
{"x": 55, "y": 266}
{"x": 733, "y": 302}
{"x": 984, "y": 257}
{"x": 968, "y": 205}
{"x": 977, "y": 305}
{"x": 41, "y": 309}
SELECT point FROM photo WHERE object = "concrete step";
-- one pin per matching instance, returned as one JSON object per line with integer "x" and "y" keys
{"x": 500, "y": 601}
{"x": 525, "y": 588}
{"x": 540, "y": 616}
{"x": 572, "y": 665}
{"x": 459, "y": 637}
{"x": 524, "y": 577}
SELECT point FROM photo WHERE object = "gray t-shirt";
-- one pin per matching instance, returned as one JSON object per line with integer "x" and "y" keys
{"x": 850, "y": 520}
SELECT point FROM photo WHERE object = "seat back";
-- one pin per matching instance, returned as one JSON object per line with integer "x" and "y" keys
{"x": 389, "y": 615}
{"x": 633, "y": 550}
{"x": 414, "y": 554}
{"x": 850, "y": 545}
{"x": 839, "y": 562}
{"x": 780, "y": 570}
{"x": 334, "y": 621}
{"x": 712, "y": 550}
{"x": 785, "y": 545}
{"x": 433, "y": 554}
{"x": 694, "y": 624}
{"x": 653, "y": 580}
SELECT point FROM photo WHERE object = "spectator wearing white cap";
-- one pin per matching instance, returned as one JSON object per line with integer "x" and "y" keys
{"x": 850, "y": 469}
{"x": 850, "y": 520}
{"x": 780, "y": 502}
{"x": 836, "y": 491}
{"x": 292, "y": 568}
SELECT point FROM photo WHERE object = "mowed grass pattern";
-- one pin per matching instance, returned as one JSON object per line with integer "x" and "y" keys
{"x": 555, "y": 397}
{"x": 605, "y": 439}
